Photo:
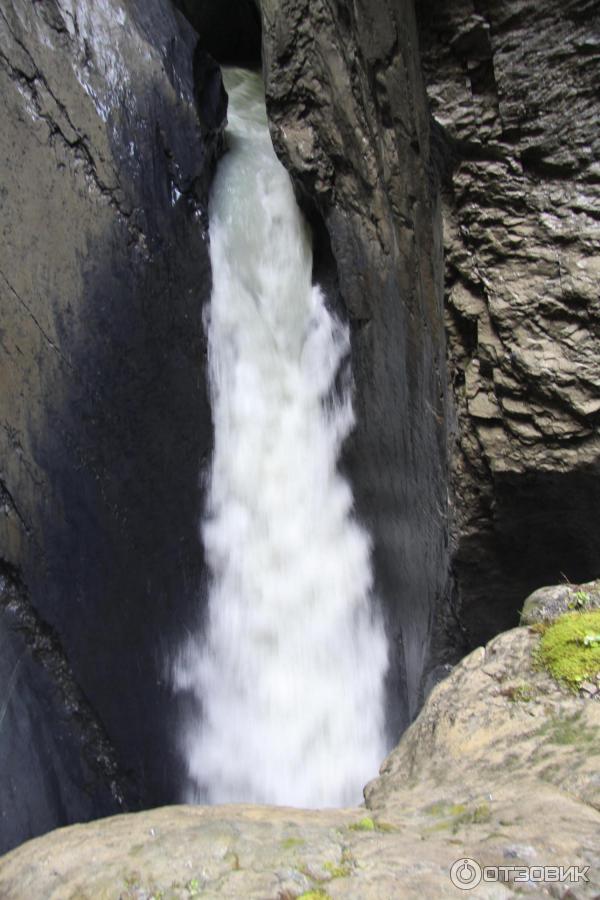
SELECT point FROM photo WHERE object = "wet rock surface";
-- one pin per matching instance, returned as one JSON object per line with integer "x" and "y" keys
{"x": 515, "y": 88}
{"x": 104, "y": 419}
{"x": 57, "y": 763}
{"x": 111, "y": 125}
{"x": 501, "y": 766}
{"x": 349, "y": 119}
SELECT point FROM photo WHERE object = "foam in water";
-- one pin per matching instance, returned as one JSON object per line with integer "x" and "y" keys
{"x": 289, "y": 670}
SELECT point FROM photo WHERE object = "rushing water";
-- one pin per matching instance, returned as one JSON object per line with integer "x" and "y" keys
{"x": 289, "y": 669}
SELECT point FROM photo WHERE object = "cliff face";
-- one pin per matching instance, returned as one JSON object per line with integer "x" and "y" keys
{"x": 514, "y": 95}
{"x": 349, "y": 119}
{"x": 111, "y": 125}
{"x": 103, "y": 272}
{"x": 515, "y": 86}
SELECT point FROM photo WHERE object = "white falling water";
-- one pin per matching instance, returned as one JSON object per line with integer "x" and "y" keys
{"x": 289, "y": 671}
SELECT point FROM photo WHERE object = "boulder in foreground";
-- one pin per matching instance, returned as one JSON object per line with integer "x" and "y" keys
{"x": 502, "y": 767}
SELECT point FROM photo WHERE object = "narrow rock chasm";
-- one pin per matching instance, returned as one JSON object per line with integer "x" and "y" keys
{"x": 446, "y": 158}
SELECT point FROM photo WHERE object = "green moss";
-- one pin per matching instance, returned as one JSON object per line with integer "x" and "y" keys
{"x": 365, "y": 824}
{"x": 569, "y": 649}
{"x": 343, "y": 868}
{"x": 579, "y": 600}
{"x": 337, "y": 871}
{"x": 368, "y": 824}
{"x": 291, "y": 842}
{"x": 316, "y": 894}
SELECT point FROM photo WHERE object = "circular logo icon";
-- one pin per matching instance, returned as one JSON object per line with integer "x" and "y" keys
{"x": 465, "y": 874}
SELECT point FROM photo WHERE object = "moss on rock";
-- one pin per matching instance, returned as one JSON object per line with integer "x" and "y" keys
{"x": 317, "y": 894}
{"x": 570, "y": 648}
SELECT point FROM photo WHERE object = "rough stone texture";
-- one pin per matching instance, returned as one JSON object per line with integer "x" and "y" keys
{"x": 349, "y": 120}
{"x": 103, "y": 414}
{"x": 514, "y": 84}
{"x": 498, "y": 724}
{"x": 489, "y": 770}
{"x": 548, "y": 603}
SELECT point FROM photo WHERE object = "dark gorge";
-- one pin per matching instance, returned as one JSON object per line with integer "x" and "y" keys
{"x": 447, "y": 159}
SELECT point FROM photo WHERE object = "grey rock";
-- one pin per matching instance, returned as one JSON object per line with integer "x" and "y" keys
{"x": 548, "y": 603}
{"x": 349, "y": 119}
{"x": 437, "y": 674}
{"x": 498, "y": 724}
{"x": 104, "y": 419}
{"x": 481, "y": 774}
{"x": 588, "y": 688}
{"x": 57, "y": 764}
{"x": 514, "y": 87}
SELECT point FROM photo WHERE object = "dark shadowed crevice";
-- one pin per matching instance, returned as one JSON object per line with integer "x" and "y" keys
{"x": 59, "y": 764}
{"x": 544, "y": 528}
{"x": 229, "y": 30}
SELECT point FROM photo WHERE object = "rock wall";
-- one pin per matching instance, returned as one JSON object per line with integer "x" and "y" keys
{"x": 57, "y": 763}
{"x": 107, "y": 147}
{"x": 513, "y": 87}
{"x": 350, "y": 121}
{"x": 111, "y": 125}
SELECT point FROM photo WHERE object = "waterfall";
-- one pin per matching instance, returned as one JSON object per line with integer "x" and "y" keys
{"x": 290, "y": 664}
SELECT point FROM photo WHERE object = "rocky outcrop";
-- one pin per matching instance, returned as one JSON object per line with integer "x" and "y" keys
{"x": 107, "y": 147}
{"x": 349, "y": 119}
{"x": 500, "y": 767}
{"x": 514, "y": 86}
{"x": 498, "y": 725}
{"x": 547, "y": 603}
